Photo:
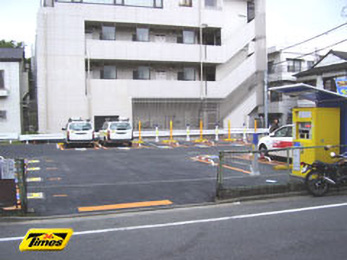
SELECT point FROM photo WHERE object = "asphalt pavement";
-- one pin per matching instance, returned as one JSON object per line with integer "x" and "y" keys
{"x": 81, "y": 180}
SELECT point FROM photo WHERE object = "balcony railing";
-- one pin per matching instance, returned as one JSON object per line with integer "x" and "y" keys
{"x": 152, "y": 51}
{"x": 134, "y": 3}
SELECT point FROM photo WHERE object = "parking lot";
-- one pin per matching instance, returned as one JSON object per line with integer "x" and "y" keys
{"x": 94, "y": 179}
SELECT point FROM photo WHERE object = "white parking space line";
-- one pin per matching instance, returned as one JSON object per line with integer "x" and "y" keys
{"x": 191, "y": 222}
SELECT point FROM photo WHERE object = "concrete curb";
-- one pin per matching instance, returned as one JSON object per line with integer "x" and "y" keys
{"x": 239, "y": 194}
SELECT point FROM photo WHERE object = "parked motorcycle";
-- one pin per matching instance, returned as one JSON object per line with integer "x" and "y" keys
{"x": 322, "y": 175}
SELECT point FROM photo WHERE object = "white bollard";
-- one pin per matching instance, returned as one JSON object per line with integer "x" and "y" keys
{"x": 217, "y": 134}
{"x": 188, "y": 133}
{"x": 156, "y": 134}
{"x": 244, "y": 135}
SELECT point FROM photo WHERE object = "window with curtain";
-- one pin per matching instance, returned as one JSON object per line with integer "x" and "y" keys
{"x": 109, "y": 72}
{"x": 142, "y": 34}
{"x": 108, "y": 33}
{"x": 188, "y": 37}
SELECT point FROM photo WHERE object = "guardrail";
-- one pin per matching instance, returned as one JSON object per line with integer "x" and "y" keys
{"x": 41, "y": 137}
{"x": 196, "y": 132}
{"x": 9, "y": 136}
{"x": 146, "y": 133}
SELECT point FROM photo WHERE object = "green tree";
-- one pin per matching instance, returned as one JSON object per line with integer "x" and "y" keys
{"x": 11, "y": 44}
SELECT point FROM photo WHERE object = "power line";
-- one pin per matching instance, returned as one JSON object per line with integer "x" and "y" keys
{"x": 337, "y": 43}
{"x": 314, "y": 37}
{"x": 306, "y": 54}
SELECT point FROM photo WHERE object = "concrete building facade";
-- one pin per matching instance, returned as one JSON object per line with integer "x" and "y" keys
{"x": 13, "y": 86}
{"x": 282, "y": 66}
{"x": 150, "y": 60}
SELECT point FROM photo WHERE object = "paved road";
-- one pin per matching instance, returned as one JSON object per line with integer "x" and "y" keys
{"x": 292, "y": 228}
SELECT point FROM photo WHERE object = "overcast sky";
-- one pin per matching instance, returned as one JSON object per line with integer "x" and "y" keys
{"x": 288, "y": 22}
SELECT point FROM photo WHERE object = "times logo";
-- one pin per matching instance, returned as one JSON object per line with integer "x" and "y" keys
{"x": 46, "y": 240}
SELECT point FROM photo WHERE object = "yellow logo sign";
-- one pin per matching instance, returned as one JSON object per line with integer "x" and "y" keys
{"x": 46, "y": 239}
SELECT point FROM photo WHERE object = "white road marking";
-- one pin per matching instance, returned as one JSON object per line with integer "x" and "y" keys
{"x": 191, "y": 222}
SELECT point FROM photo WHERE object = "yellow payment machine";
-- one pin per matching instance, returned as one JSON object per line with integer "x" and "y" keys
{"x": 314, "y": 126}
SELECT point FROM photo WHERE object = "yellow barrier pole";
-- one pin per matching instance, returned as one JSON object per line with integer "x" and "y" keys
{"x": 255, "y": 126}
{"x": 140, "y": 137}
{"x": 229, "y": 133}
{"x": 171, "y": 139}
{"x": 201, "y": 127}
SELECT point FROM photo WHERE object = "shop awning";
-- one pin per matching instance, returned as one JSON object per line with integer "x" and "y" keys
{"x": 308, "y": 92}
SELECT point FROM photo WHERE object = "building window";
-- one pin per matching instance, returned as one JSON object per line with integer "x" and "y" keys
{"x": 2, "y": 114}
{"x": 210, "y": 73}
{"x": 309, "y": 64}
{"x": 250, "y": 10}
{"x": 97, "y": 2}
{"x": 211, "y": 3}
{"x": 158, "y": 3}
{"x": 188, "y": 37}
{"x": 142, "y": 3}
{"x": 139, "y": 3}
{"x": 211, "y": 36}
{"x": 293, "y": 65}
{"x": 270, "y": 67}
{"x": 2, "y": 81}
{"x": 142, "y": 34}
{"x": 142, "y": 73}
{"x": 330, "y": 84}
{"x": 108, "y": 33}
{"x": 109, "y": 72}
{"x": 187, "y": 3}
{"x": 275, "y": 96}
{"x": 187, "y": 74}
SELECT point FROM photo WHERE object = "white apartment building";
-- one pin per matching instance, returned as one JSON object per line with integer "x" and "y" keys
{"x": 13, "y": 86}
{"x": 282, "y": 66}
{"x": 150, "y": 60}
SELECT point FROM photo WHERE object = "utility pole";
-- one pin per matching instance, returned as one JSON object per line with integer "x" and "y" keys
{"x": 266, "y": 101}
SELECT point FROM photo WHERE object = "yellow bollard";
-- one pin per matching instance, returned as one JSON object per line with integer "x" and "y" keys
{"x": 201, "y": 138}
{"x": 201, "y": 126}
{"x": 171, "y": 140}
{"x": 229, "y": 139}
{"x": 140, "y": 136}
{"x": 255, "y": 126}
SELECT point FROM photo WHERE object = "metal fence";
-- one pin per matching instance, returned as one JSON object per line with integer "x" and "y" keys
{"x": 13, "y": 188}
{"x": 251, "y": 173}
{"x": 60, "y": 137}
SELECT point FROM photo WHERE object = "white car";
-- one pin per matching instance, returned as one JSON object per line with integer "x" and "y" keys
{"x": 79, "y": 131}
{"x": 280, "y": 138}
{"x": 116, "y": 132}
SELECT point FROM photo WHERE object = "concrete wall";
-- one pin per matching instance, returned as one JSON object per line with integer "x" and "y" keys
{"x": 11, "y": 102}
